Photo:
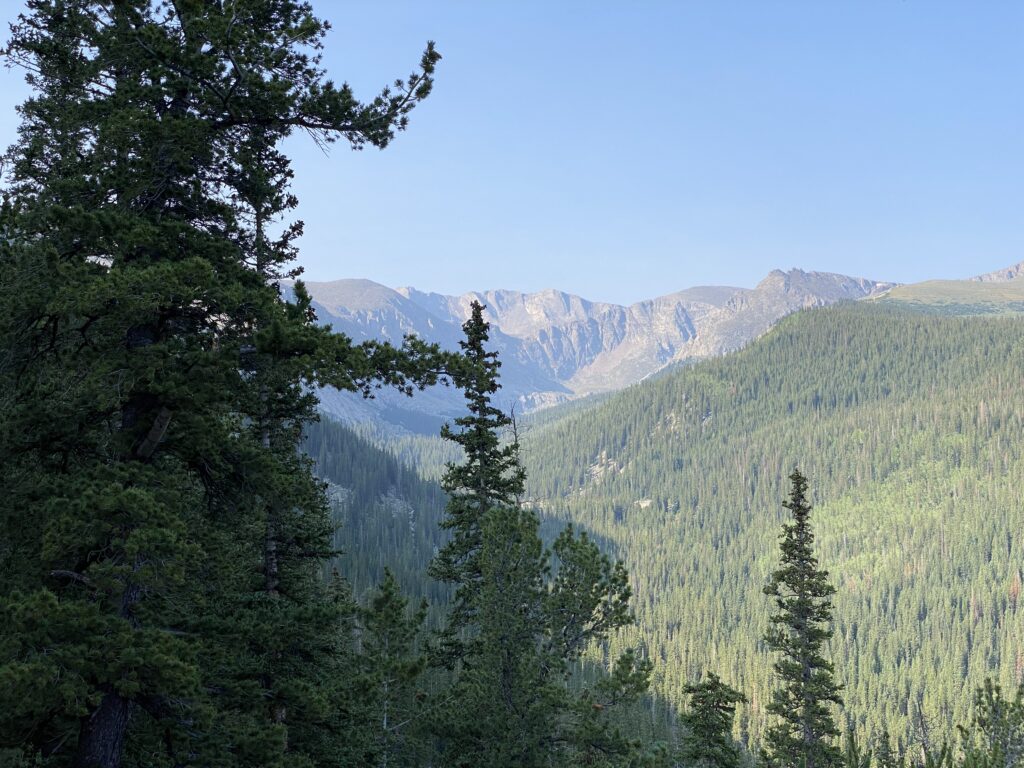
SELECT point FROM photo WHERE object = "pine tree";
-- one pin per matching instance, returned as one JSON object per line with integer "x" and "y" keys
{"x": 512, "y": 703}
{"x": 884, "y": 754}
{"x": 490, "y": 476}
{"x": 855, "y": 756}
{"x": 390, "y": 703}
{"x": 804, "y": 736}
{"x": 995, "y": 738}
{"x": 708, "y": 721}
{"x": 501, "y": 714}
{"x": 148, "y": 359}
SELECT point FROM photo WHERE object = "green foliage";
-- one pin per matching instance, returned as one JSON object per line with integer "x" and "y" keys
{"x": 995, "y": 738}
{"x": 489, "y": 476}
{"x": 389, "y": 703}
{"x": 513, "y": 702}
{"x": 162, "y": 542}
{"x": 806, "y": 686}
{"x": 385, "y": 515}
{"x": 163, "y": 547}
{"x": 501, "y": 717}
{"x": 854, "y": 755}
{"x": 941, "y": 757}
{"x": 708, "y": 721}
{"x": 909, "y": 425}
{"x": 883, "y": 754}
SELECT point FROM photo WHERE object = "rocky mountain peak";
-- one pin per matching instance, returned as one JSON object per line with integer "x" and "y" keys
{"x": 1002, "y": 275}
{"x": 556, "y": 345}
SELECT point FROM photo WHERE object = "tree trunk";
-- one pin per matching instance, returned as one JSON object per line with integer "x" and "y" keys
{"x": 101, "y": 740}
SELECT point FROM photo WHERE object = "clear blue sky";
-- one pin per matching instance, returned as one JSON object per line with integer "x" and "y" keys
{"x": 624, "y": 150}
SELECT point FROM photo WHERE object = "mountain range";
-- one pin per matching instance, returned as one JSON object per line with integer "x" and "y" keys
{"x": 556, "y": 346}
{"x": 901, "y": 407}
{"x": 905, "y": 413}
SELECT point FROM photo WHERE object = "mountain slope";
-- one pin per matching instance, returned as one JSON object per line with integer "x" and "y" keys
{"x": 1002, "y": 275}
{"x": 387, "y": 515}
{"x": 960, "y": 297}
{"x": 994, "y": 293}
{"x": 556, "y": 346}
{"x": 909, "y": 426}
{"x": 598, "y": 347}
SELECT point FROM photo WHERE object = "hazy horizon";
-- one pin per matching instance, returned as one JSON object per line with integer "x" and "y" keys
{"x": 612, "y": 151}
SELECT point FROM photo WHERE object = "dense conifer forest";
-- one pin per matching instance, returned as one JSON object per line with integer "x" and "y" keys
{"x": 195, "y": 571}
{"x": 908, "y": 426}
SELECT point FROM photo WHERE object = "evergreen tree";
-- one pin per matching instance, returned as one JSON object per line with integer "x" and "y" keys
{"x": 708, "y": 721}
{"x": 502, "y": 697}
{"x": 855, "y": 756}
{"x": 995, "y": 738}
{"x": 885, "y": 756}
{"x": 513, "y": 702}
{"x": 154, "y": 385}
{"x": 390, "y": 701}
{"x": 804, "y": 737}
{"x": 912, "y": 440}
{"x": 491, "y": 475}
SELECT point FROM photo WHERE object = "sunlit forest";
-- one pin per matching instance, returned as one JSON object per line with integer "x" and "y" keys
{"x": 805, "y": 553}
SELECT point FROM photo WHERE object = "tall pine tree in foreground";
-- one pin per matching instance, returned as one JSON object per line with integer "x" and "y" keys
{"x": 160, "y": 571}
{"x": 708, "y": 741}
{"x": 805, "y": 735}
{"x": 490, "y": 476}
{"x": 520, "y": 624}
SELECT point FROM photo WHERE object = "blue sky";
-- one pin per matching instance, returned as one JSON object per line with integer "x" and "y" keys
{"x": 625, "y": 150}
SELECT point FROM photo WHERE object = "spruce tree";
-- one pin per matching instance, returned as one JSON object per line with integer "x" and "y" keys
{"x": 500, "y": 712}
{"x": 995, "y": 738}
{"x": 161, "y": 600}
{"x": 390, "y": 703}
{"x": 708, "y": 721}
{"x": 884, "y": 754}
{"x": 854, "y": 755}
{"x": 513, "y": 702}
{"x": 490, "y": 475}
{"x": 804, "y": 736}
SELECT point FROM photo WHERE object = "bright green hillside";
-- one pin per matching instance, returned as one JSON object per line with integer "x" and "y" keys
{"x": 910, "y": 427}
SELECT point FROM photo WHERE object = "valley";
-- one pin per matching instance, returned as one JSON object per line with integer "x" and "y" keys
{"x": 907, "y": 419}
{"x": 656, "y": 421}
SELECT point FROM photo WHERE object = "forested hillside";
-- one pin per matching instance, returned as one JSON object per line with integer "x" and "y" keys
{"x": 195, "y": 571}
{"x": 909, "y": 427}
{"x": 387, "y": 515}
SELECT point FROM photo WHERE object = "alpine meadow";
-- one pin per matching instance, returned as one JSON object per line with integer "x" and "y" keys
{"x": 251, "y": 521}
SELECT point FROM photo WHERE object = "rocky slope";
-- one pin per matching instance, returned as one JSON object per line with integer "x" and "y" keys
{"x": 556, "y": 346}
{"x": 1002, "y": 275}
